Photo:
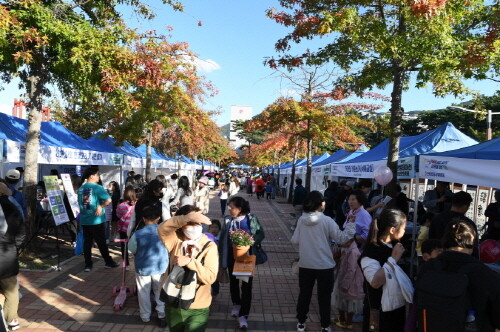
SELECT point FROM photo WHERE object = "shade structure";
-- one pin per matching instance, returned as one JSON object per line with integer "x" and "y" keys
{"x": 444, "y": 138}
{"x": 475, "y": 165}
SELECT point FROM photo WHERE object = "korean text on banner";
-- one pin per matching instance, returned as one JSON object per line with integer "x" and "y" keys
{"x": 54, "y": 194}
{"x": 72, "y": 196}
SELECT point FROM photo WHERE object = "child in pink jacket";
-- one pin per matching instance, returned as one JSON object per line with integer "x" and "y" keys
{"x": 348, "y": 291}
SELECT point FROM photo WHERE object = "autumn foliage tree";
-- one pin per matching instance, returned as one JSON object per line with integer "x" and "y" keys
{"x": 65, "y": 45}
{"x": 312, "y": 121}
{"x": 382, "y": 42}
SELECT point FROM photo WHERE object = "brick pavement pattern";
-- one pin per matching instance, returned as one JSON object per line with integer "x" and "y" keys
{"x": 74, "y": 300}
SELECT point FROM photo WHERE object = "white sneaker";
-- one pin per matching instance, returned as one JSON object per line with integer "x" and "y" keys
{"x": 301, "y": 327}
{"x": 326, "y": 329}
{"x": 236, "y": 310}
{"x": 243, "y": 322}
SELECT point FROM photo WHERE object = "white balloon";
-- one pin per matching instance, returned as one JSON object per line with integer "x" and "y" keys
{"x": 383, "y": 175}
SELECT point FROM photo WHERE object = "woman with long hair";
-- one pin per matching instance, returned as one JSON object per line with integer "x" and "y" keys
{"x": 152, "y": 193}
{"x": 383, "y": 247}
{"x": 314, "y": 234}
{"x": 184, "y": 194}
{"x": 239, "y": 218}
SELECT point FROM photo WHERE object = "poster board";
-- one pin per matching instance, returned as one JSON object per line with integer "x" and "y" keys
{"x": 54, "y": 194}
{"x": 72, "y": 196}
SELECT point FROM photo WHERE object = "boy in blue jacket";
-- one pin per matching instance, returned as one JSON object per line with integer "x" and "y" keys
{"x": 151, "y": 261}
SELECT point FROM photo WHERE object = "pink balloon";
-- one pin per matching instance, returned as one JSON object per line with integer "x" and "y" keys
{"x": 383, "y": 175}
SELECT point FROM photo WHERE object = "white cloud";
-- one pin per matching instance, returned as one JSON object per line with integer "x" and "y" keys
{"x": 288, "y": 93}
{"x": 206, "y": 65}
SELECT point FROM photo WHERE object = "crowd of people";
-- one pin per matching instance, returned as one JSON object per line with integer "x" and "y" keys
{"x": 363, "y": 278}
{"x": 351, "y": 242}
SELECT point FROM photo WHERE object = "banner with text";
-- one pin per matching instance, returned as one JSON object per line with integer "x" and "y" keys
{"x": 406, "y": 168}
{"x": 460, "y": 170}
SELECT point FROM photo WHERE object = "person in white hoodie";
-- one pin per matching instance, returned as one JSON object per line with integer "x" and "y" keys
{"x": 314, "y": 234}
{"x": 201, "y": 195}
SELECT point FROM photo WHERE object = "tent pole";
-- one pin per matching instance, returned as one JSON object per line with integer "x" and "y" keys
{"x": 415, "y": 217}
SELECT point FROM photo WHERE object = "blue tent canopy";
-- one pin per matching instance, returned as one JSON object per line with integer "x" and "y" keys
{"x": 489, "y": 150}
{"x": 11, "y": 129}
{"x": 103, "y": 144}
{"x": 154, "y": 154}
{"x": 315, "y": 159}
{"x": 52, "y": 133}
{"x": 343, "y": 155}
{"x": 444, "y": 138}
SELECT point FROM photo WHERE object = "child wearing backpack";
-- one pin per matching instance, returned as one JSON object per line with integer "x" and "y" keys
{"x": 151, "y": 261}
{"x": 431, "y": 248}
{"x": 455, "y": 283}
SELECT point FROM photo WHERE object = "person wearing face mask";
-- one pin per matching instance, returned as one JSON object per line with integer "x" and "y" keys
{"x": 201, "y": 193}
{"x": 183, "y": 237}
{"x": 383, "y": 248}
{"x": 151, "y": 261}
{"x": 239, "y": 218}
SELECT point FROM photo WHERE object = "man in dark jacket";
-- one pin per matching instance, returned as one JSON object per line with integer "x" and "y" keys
{"x": 11, "y": 238}
{"x": 299, "y": 194}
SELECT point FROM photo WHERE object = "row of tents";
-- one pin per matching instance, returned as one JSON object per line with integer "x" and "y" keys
{"x": 444, "y": 154}
{"x": 63, "y": 149}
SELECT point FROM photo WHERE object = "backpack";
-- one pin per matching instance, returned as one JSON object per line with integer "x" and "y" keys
{"x": 182, "y": 284}
{"x": 442, "y": 299}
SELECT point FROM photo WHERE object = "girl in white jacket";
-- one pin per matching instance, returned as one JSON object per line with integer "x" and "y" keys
{"x": 314, "y": 234}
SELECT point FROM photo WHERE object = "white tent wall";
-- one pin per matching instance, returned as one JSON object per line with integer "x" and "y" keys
{"x": 110, "y": 173}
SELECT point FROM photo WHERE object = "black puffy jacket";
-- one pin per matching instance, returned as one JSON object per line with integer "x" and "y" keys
{"x": 11, "y": 237}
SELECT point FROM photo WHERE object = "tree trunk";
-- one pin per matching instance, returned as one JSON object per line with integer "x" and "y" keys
{"x": 395, "y": 123}
{"x": 31, "y": 158}
{"x": 178, "y": 164}
{"x": 202, "y": 166}
{"x": 309, "y": 164}
{"x": 279, "y": 174}
{"x": 292, "y": 177}
{"x": 149, "y": 142}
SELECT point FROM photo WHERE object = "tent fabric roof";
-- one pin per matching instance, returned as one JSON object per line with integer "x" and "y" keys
{"x": 444, "y": 138}
{"x": 104, "y": 144}
{"x": 52, "y": 133}
{"x": 489, "y": 150}
{"x": 11, "y": 129}
{"x": 342, "y": 155}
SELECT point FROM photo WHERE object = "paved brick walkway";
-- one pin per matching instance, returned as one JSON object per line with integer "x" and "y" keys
{"x": 73, "y": 300}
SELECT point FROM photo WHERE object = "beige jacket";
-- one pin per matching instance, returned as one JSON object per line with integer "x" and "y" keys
{"x": 206, "y": 272}
{"x": 201, "y": 199}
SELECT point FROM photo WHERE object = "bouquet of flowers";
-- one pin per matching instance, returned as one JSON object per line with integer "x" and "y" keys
{"x": 241, "y": 238}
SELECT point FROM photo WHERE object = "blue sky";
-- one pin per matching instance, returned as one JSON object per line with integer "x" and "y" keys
{"x": 235, "y": 37}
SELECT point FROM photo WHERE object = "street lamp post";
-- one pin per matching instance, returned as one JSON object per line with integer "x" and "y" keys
{"x": 488, "y": 118}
